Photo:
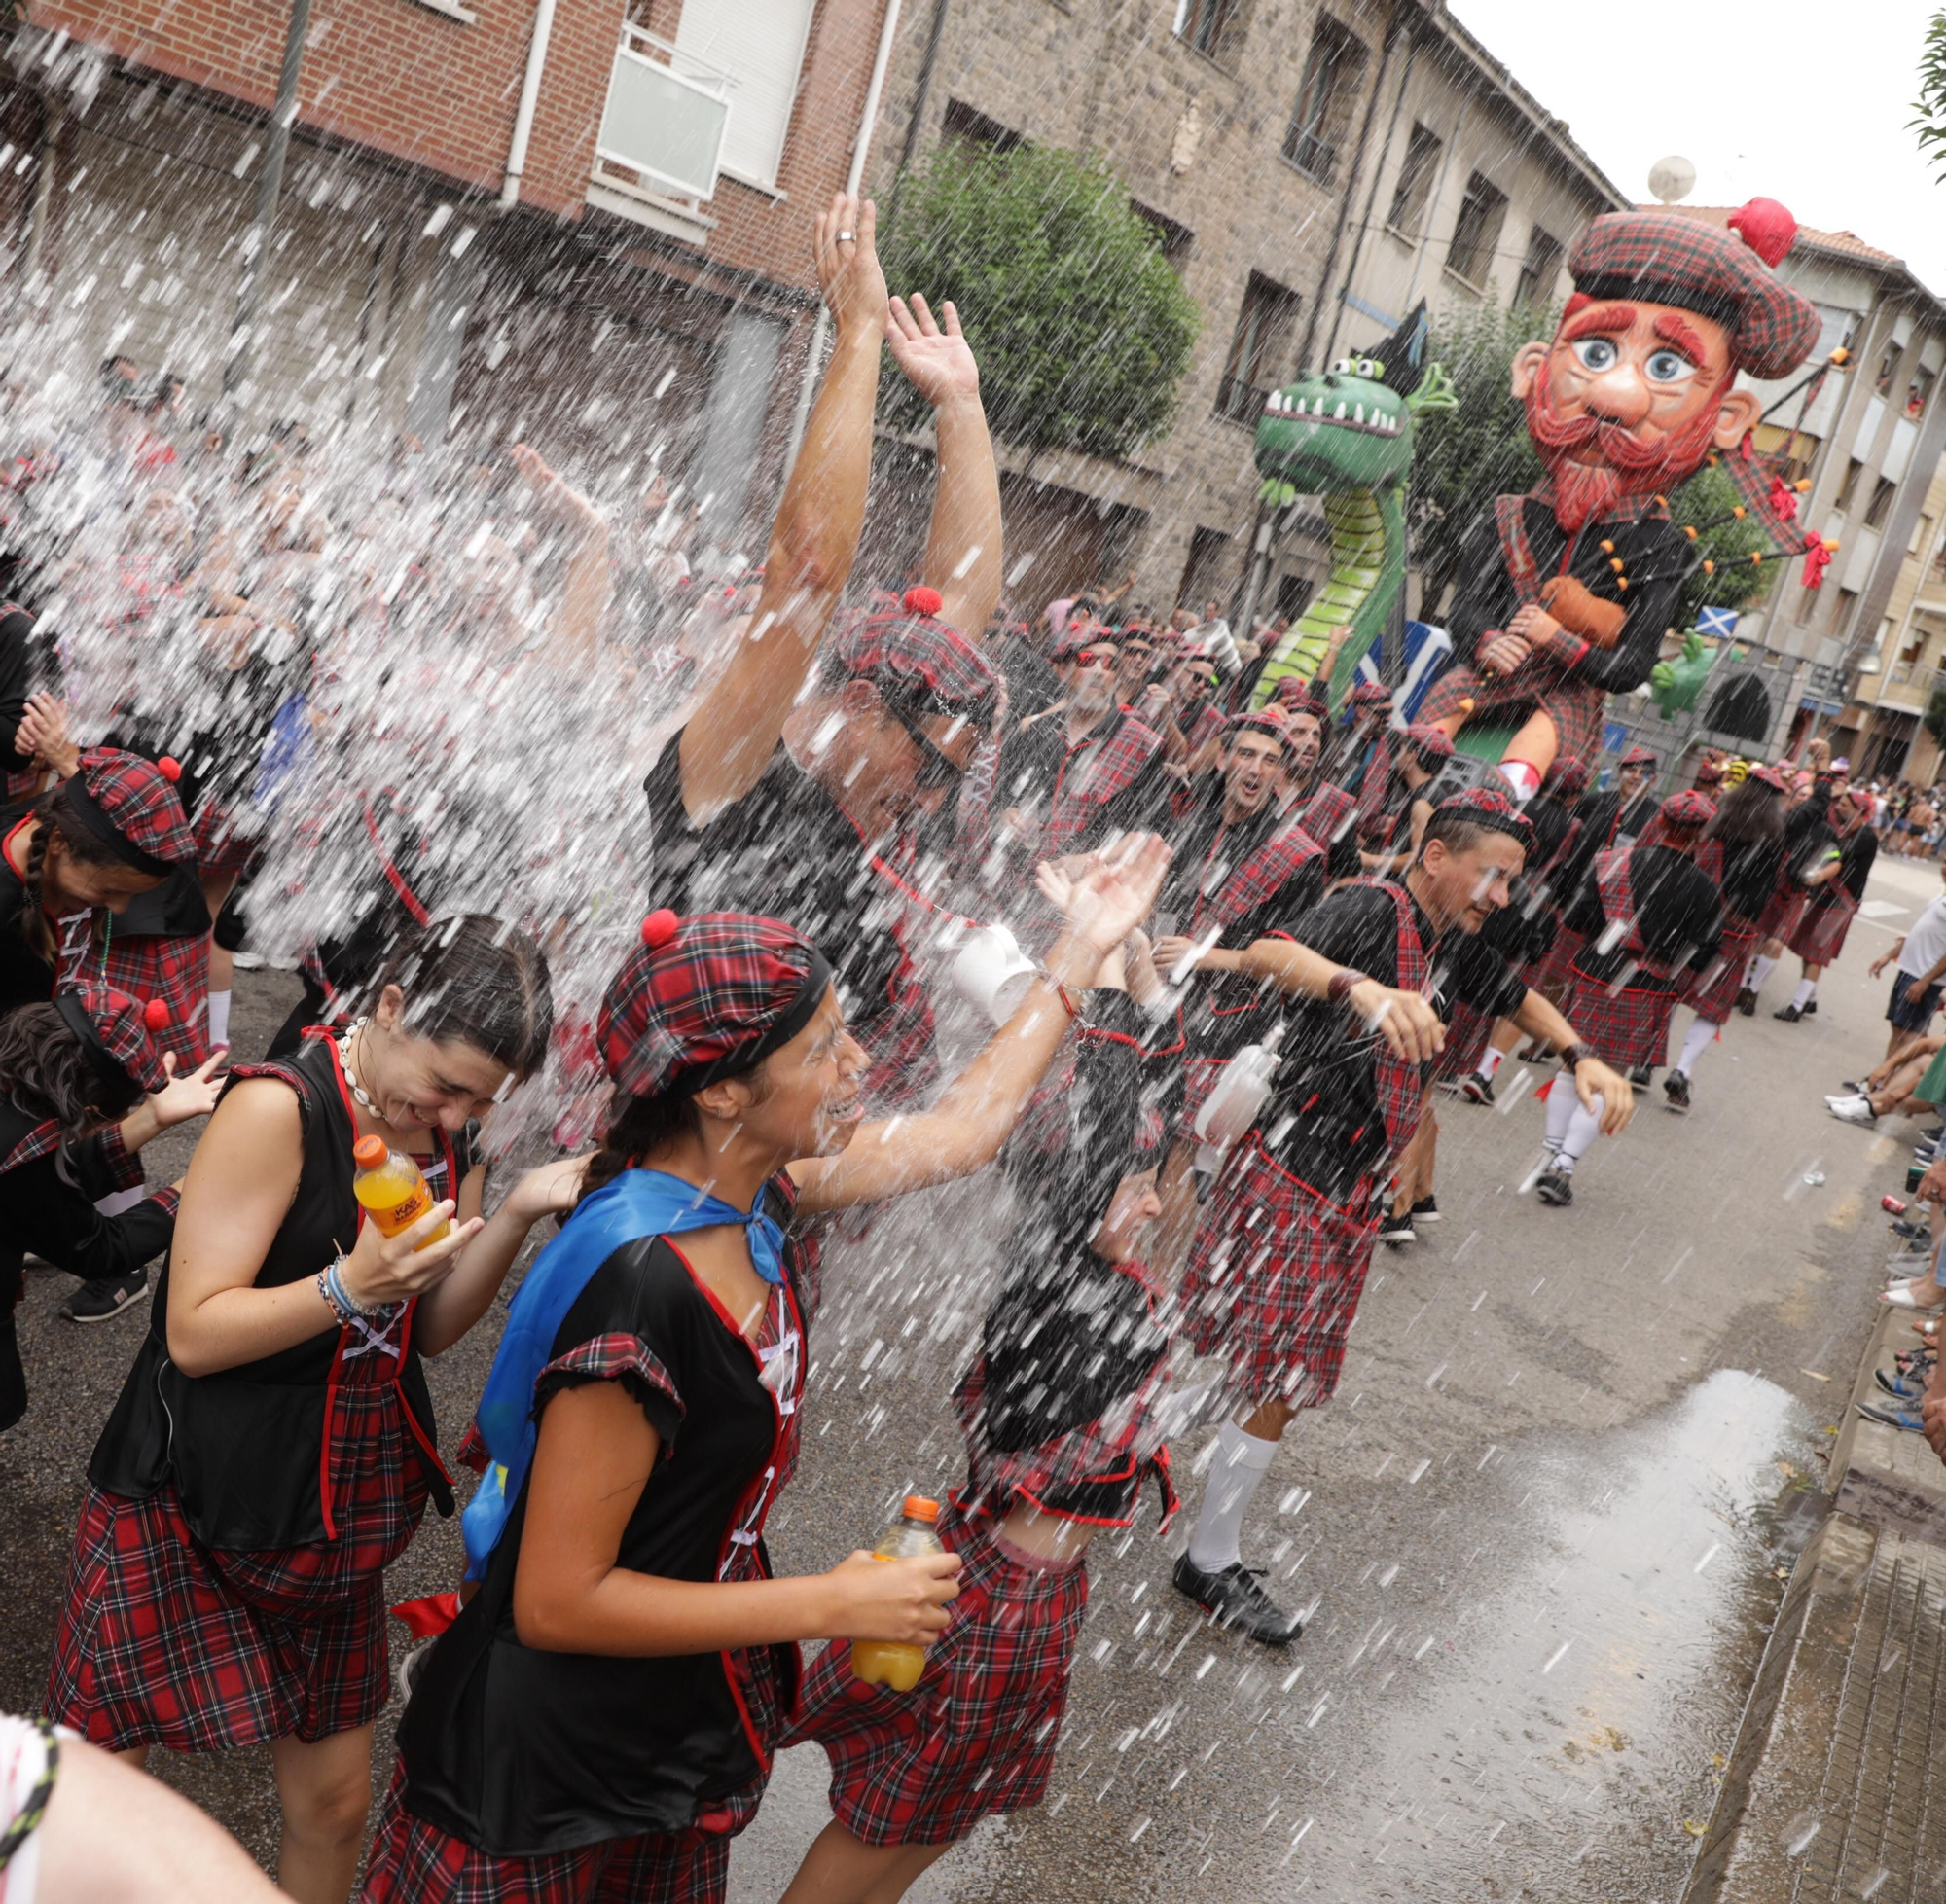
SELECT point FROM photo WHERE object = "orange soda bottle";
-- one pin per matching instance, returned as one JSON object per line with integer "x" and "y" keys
{"x": 881, "y": 1661}
{"x": 394, "y": 1188}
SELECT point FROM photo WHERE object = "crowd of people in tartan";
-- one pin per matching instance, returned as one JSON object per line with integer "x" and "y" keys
{"x": 1229, "y": 949}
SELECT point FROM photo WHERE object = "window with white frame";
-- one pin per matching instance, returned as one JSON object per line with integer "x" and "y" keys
{"x": 760, "y": 43}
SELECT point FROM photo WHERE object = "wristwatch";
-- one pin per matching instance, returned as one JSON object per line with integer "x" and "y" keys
{"x": 1339, "y": 990}
{"x": 1574, "y": 1053}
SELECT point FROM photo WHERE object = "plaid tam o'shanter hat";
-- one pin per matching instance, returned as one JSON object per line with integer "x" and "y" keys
{"x": 1719, "y": 272}
{"x": 113, "y": 1031}
{"x": 705, "y": 998}
{"x": 1682, "y": 812}
{"x": 916, "y": 661}
{"x": 1489, "y": 808}
{"x": 129, "y": 806}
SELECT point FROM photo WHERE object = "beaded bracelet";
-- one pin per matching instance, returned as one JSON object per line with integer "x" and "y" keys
{"x": 339, "y": 1299}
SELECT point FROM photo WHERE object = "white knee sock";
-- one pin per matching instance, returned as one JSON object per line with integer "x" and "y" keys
{"x": 1490, "y": 1063}
{"x": 1695, "y": 1041}
{"x": 1234, "y": 1476}
{"x": 1561, "y": 1105}
{"x": 1583, "y": 1128}
{"x": 119, "y": 1201}
{"x": 1760, "y": 969}
{"x": 1523, "y": 779}
{"x": 219, "y": 1018}
{"x": 1807, "y": 991}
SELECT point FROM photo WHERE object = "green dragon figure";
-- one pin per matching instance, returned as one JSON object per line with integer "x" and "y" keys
{"x": 1346, "y": 435}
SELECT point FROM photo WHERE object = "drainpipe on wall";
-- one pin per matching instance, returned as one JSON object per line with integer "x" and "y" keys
{"x": 54, "y": 121}
{"x": 530, "y": 92}
{"x": 861, "y": 148}
{"x": 269, "y": 189}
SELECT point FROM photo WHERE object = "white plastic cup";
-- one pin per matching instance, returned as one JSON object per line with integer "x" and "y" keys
{"x": 991, "y": 973}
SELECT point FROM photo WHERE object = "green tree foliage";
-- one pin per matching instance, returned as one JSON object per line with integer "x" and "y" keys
{"x": 1929, "y": 108}
{"x": 1935, "y": 717}
{"x": 1082, "y": 329}
{"x": 1466, "y": 456}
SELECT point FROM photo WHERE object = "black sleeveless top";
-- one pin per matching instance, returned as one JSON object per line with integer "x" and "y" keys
{"x": 521, "y": 1752}
{"x": 246, "y": 1446}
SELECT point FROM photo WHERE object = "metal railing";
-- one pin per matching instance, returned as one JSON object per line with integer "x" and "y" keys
{"x": 1241, "y": 401}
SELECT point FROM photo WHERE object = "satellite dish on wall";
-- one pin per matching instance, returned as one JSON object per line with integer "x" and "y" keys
{"x": 1673, "y": 179}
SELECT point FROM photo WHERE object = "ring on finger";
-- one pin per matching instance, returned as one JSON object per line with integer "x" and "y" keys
{"x": 848, "y": 237}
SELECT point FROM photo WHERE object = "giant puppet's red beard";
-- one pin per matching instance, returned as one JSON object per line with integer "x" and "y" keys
{"x": 1630, "y": 465}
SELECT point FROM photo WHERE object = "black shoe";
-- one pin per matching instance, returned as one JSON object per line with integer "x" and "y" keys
{"x": 1747, "y": 1002}
{"x": 1475, "y": 1089}
{"x": 1789, "y": 1014}
{"x": 1426, "y": 1211}
{"x": 104, "y": 1300}
{"x": 1811, "y": 1010}
{"x": 1675, "y": 1088}
{"x": 1555, "y": 1187}
{"x": 1642, "y": 1076}
{"x": 1906, "y": 1418}
{"x": 1397, "y": 1228}
{"x": 1915, "y": 1232}
{"x": 1236, "y": 1601}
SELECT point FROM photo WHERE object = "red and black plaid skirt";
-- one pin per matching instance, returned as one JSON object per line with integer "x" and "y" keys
{"x": 1713, "y": 993}
{"x": 413, "y": 1862}
{"x": 222, "y": 846}
{"x": 977, "y": 1733}
{"x": 1554, "y": 971}
{"x": 1466, "y": 1039}
{"x": 1820, "y": 935}
{"x": 1574, "y": 708}
{"x": 1627, "y": 1026}
{"x": 164, "y": 1641}
{"x": 1781, "y": 914}
{"x": 1274, "y": 1279}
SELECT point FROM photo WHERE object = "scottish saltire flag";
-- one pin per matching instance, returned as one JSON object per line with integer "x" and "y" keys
{"x": 1721, "y": 621}
{"x": 1428, "y": 650}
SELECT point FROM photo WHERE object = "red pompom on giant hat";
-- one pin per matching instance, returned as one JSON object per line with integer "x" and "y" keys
{"x": 922, "y": 600}
{"x": 660, "y": 927}
{"x": 1767, "y": 228}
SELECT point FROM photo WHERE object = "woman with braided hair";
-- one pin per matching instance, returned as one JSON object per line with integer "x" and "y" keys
{"x": 600, "y": 1716}
{"x": 81, "y": 1089}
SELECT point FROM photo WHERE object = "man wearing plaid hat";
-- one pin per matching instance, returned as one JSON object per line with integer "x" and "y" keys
{"x": 1285, "y": 1239}
{"x": 787, "y": 795}
{"x": 1570, "y": 589}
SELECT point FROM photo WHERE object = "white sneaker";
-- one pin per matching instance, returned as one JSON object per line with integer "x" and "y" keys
{"x": 1855, "y": 1110}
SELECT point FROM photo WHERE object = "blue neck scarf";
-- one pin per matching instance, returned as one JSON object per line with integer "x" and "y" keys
{"x": 637, "y": 1203}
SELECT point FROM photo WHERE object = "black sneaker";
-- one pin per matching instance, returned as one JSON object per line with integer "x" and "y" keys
{"x": 1236, "y": 1601}
{"x": 1675, "y": 1088}
{"x": 1555, "y": 1187}
{"x": 1426, "y": 1211}
{"x": 1642, "y": 1076}
{"x": 1811, "y": 1010}
{"x": 1747, "y": 1002}
{"x": 1395, "y": 1226}
{"x": 1475, "y": 1089}
{"x": 104, "y": 1300}
{"x": 1789, "y": 1014}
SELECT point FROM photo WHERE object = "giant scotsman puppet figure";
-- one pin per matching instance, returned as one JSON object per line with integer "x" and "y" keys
{"x": 1565, "y": 591}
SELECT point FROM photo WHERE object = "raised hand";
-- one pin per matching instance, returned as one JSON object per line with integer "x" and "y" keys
{"x": 191, "y": 1096}
{"x": 848, "y": 272}
{"x": 1114, "y": 897}
{"x": 938, "y": 364}
{"x": 43, "y": 734}
{"x": 1404, "y": 1019}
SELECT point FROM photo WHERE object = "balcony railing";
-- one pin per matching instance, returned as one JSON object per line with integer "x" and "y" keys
{"x": 1239, "y": 400}
{"x": 1311, "y": 154}
{"x": 661, "y": 130}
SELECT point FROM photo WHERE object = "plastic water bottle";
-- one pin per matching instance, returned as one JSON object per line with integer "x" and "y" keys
{"x": 394, "y": 1188}
{"x": 885, "y": 1662}
{"x": 1230, "y": 1110}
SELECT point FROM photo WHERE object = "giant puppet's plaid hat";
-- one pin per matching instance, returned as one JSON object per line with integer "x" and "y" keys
{"x": 129, "y": 805}
{"x": 705, "y": 998}
{"x": 920, "y": 664}
{"x": 1718, "y": 271}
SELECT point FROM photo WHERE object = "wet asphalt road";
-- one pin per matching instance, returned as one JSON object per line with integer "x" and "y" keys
{"x": 1536, "y": 1526}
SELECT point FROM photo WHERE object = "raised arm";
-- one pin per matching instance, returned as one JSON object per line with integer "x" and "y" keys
{"x": 732, "y": 734}
{"x": 962, "y": 551}
{"x": 576, "y": 625}
{"x": 1403, "y": 1019}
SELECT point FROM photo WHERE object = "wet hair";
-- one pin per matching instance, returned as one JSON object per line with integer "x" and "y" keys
{"x": 1459, "y": 831}
{"x": 46, "y": 1072}
{"x": 55, "y": 813}
{"x": 642, "y": 1128}
{"x": 472, "y": 980}
{"x": 1749, "y": 811}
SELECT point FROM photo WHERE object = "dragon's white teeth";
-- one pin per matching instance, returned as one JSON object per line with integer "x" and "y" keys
{"x": 1359, "y": 417}
{"x": 1338, "y": 416}
{"x": 1299, "y": 407}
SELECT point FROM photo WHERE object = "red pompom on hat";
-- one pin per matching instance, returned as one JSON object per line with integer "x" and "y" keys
{"x": 155, "y": 1015}
{"x": 660, "y": 927}
{"x": 922, "y": 600}
{"x": 113, "y": 1031}
{"x": 129, "y": 806}
{"x": 1767, "y": 228}
{"x": 171, "y": 770}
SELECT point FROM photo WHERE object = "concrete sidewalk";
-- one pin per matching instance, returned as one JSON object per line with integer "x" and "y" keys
{"x": 1833, "y": 1789}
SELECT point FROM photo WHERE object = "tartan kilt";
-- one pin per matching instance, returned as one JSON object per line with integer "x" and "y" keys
{"x": 222, "y": 846}
{"x": 164, "y": 1641}
{"x": 1627, "y": 1026}
{"x": 1575, "y": 709}
{"x": 174, "y": 968}
{"x": 1466, "y": 1039}
{"x": 977, "y": 1735}
{"x": 1821, "y": 933}
{"x": 1274, "y": 1279}
{"x": 1713, "y": 993}
{"x": 1781, "y": 914}
{"x": 1554, "y": 970}
{"x": 413, "y": 1862}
